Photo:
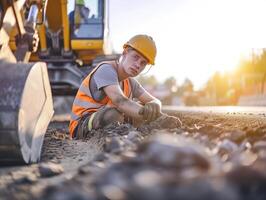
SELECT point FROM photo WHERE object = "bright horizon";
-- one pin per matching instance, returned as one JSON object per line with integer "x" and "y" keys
{"x": 194, "y": 38}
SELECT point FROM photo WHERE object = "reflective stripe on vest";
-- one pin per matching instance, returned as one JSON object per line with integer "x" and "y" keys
{"x": 85, "y": 104}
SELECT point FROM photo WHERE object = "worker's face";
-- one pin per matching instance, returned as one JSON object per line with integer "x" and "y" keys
{"x": 133, "y": 62}
{"x": 85, "y": 12}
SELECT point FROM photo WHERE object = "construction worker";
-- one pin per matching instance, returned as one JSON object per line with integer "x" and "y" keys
{"x": 80, "y": 14}
{"x": 106, "y": 94}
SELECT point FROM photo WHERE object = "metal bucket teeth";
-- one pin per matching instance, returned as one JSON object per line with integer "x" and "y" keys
{"x": 26, "y": 109}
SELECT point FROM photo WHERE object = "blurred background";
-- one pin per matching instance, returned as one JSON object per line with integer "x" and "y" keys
{"x": 210, "y": 52}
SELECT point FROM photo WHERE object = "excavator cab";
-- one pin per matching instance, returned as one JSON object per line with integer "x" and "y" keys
{"x": 73, "y": 42}
{"x": 26, "y": 106}
{"x": 86, "y": 20}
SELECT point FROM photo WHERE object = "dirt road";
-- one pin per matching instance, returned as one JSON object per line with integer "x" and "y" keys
{"x": 219, "y": 156}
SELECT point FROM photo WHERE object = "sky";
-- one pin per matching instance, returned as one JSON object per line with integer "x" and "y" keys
{"x": 194, "y": 38}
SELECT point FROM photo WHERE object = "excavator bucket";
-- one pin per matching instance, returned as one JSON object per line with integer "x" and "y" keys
{"x": 26, "y": 109}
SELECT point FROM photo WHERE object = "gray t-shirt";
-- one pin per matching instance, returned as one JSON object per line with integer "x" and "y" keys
{"x": 106, "y": 75}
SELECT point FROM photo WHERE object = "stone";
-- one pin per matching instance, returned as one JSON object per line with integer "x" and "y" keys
{"x": 50, "y": 169}
{"x": 227, "y": 147}
{"x": 178, "y": 152}
{"x": 112, "y": 144}
{"x": 248, "y": 181}
{"x": 237, "y": 135}
{"x": 260, "y": 145}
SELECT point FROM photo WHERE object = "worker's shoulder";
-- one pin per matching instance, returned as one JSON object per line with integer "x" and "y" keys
{"x": 105, "y": 64}
{"x": 105, "y": 71}
{"x": 105, "y": 68}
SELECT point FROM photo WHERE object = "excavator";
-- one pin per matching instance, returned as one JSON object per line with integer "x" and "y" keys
{"x": 47, "y": 47}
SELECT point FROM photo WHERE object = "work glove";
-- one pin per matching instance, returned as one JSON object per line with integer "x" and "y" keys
{"x": 150, "y": 111}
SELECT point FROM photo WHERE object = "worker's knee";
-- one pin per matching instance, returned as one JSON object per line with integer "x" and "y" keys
{"x": 107, "y": 116}
{"x": 112, "y": 115}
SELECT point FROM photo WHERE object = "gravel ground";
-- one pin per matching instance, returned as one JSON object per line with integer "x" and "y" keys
{"x": 215, "y": 156}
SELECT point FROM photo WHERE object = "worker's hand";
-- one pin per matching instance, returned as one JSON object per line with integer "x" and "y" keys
{"x": 150, "y": 111}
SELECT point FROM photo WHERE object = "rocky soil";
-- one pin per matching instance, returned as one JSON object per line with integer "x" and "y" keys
{"x": 203, "y": 156}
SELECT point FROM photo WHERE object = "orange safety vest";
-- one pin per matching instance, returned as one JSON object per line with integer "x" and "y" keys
{"x": 84, "y": 102}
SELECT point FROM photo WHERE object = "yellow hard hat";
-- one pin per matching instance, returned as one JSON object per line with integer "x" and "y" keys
{"x": 145, "y": 45}
{"x": 80, "y": 2}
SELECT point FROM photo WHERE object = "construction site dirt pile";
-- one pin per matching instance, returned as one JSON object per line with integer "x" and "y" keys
{"x": 200, "y": 158}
